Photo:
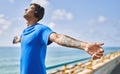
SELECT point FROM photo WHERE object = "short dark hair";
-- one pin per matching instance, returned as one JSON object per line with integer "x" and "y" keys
{"x": 39, "y": 11}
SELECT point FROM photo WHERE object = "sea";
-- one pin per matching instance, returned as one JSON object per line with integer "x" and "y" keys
{"x": 10, "y": 57}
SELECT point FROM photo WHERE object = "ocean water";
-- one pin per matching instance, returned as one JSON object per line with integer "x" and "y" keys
{"x": 10, "y": 57}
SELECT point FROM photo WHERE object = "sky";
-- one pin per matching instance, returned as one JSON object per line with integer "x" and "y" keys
{"x": 85, "y": 20}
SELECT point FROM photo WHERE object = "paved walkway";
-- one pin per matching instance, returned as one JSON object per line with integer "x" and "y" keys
{"x": 116, "y": 70}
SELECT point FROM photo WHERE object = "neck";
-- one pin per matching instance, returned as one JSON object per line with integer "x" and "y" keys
{"x": 30, "y": 23}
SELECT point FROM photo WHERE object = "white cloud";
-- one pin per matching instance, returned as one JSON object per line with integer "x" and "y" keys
{"x": 1, "y": 15}
{"x": 17, "y": 31}
{"x": 11, "y": 1}
{"x": 101, "y": 19}
{"x": 60, "y": 14}
{"x": 51, "y": 25}
{"x": 41, "y": 2}
{"x": 69, "y": 16}
{"x": 4, "y": 24}
{"x": 91, "y": 22}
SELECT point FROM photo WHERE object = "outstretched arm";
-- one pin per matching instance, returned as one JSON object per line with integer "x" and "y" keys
{"x": 94, "y": 49}
{"x": 67, "y": 41}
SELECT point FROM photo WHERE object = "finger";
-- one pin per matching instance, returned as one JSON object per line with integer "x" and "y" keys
{"x": 97, "y": 56}
{"x": 100, "y": 53}
{"x": 99, "y": 44}
{"x": 101, "y": 50}
{"x": 14, "y": 39}
{"x": 91, "y": 53}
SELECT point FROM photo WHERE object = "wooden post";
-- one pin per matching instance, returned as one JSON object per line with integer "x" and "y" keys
{"x": 64, "y": 69}
{"x": 91, "y": 64}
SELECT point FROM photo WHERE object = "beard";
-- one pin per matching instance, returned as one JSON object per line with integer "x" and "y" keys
{"x": 28, "y": 16}
{"x": 25, "y": 15}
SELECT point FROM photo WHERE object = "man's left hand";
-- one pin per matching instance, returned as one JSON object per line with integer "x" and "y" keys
{"x": 95, "y": 50}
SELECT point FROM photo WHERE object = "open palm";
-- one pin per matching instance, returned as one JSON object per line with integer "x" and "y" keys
{"x": 95, "y": 50}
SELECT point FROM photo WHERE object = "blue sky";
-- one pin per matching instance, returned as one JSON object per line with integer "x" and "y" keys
{"x": 86, "y": 20}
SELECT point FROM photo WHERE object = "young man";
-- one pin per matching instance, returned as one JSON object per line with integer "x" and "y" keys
{"x": 36, "y": 37}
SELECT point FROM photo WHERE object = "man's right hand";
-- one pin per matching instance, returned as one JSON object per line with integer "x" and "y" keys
{"x": 16, "y": 39}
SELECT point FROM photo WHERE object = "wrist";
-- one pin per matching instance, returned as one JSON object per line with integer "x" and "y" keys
{"x": 84, "y": 45}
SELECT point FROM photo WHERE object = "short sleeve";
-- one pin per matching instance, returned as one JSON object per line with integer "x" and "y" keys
{"x": 46, "y": 34}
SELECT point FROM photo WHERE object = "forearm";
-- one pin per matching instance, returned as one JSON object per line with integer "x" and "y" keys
{"x": 71, "y": 42}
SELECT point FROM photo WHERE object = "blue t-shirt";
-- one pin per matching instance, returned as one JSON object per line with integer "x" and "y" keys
{"x": 34, "y": 41}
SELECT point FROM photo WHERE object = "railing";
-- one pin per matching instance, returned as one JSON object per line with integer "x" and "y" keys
{"x": 66, "y": 64}
{"x": 106, "y": 63}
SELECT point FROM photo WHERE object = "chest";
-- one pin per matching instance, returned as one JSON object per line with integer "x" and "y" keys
{"x": 30, "y": 36}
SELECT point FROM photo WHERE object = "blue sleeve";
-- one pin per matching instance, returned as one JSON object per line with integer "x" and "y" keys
{"x": 45, "y": 35}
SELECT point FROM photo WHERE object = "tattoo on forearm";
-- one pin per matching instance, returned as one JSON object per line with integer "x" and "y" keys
{"x": 70, "y": 42}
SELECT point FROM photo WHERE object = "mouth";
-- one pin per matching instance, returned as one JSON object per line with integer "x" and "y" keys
{"x": 25, "y": 12}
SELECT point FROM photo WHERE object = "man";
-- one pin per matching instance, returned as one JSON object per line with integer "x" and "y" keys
{"x": 36, "y": 37}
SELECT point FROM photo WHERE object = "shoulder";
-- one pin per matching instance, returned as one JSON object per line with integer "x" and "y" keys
{"x": 41, "y": 26}
{"x": 42, "y": 29}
